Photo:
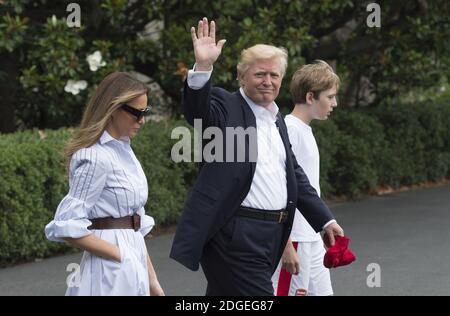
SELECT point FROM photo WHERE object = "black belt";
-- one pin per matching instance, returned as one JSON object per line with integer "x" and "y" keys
{"x": 279, "y": 216}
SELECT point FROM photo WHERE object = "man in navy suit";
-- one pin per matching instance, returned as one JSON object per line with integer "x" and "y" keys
{"x": 238, "y": 217}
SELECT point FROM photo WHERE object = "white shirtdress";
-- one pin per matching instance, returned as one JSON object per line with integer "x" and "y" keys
{"x": 106, "y": 180}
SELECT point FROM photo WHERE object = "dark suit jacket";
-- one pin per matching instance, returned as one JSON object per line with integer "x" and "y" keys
{"x": 222, "y": 186}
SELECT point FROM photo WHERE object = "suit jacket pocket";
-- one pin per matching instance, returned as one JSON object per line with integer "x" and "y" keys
{"x": 228, "y": 232}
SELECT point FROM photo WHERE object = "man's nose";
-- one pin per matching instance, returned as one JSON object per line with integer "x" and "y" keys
{"x": 267, "y": 80}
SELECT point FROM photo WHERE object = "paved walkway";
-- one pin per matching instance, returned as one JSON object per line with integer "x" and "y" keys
{"x": 406, "y": 234}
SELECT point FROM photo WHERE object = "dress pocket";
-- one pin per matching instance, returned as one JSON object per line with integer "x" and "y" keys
{"x": 133, "y": 270}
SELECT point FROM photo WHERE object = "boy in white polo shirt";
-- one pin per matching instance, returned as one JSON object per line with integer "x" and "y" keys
{"x": 301, "y": 271}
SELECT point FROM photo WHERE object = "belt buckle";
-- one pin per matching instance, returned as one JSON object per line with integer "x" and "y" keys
{"x": 136, "y": 222}
{"x": 281, "y": 217}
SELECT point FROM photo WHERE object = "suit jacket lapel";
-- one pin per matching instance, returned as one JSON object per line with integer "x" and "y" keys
{"x": 290, "y": 175}
{"x": 284, "y": 137}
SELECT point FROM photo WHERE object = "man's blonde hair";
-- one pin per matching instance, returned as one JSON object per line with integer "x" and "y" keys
{"x": 261, "y": 51}
{"x": 315, "y": 78}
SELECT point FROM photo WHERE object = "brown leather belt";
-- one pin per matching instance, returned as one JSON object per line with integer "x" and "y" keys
{"x": 126, "y": 222}
{"x": 279, "y": 216}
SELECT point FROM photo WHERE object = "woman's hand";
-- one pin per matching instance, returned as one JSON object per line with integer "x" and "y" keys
{"x": 116, "y": 254}
{"x": 156, "y": 289}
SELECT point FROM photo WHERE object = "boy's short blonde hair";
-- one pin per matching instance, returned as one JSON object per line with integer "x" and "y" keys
{"x": 261, "y": 51}
{"x": 315, "y": 78}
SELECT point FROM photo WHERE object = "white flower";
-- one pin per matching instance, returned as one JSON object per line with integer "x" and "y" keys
{"x": 75, "y": 87}
{"x": 54, "y": 20}
{"x": 152, "y": 31}
{"x": 95, "y": 61}
{"x": 154, "y": 86}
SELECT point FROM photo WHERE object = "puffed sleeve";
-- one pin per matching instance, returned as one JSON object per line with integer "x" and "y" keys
{"x": 147, "y": 222}
{"x": 87, "y": 179}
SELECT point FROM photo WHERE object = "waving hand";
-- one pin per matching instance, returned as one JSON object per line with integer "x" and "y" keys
{"x": 206, "y": 49}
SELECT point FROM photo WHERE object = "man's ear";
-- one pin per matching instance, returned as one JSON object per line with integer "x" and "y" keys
{"x": 239, "y": 79}
{"x": 310, "y": 97}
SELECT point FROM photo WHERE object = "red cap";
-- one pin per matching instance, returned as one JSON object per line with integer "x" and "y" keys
{"x": 339, "y": 254}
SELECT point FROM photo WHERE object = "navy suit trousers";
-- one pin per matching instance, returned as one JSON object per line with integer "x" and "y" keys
{"x": 241, "y": 258}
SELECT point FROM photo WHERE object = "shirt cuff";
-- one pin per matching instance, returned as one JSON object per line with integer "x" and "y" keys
{"x": 197, "y": 79}
{"x": 329, "y": 223}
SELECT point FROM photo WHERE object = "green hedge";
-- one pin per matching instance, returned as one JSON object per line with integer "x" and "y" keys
{"x": 31, "y": 182}
{"x": 360, "y": 150}
{"x": 390, "y": 146}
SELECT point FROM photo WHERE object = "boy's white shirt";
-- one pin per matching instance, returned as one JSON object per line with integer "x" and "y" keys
{"x": 306, "y": 151}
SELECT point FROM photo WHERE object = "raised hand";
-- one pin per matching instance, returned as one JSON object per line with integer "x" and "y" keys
{"x": 205, "y": 48}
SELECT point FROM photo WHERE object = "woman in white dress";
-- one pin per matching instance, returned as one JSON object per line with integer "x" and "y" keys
{"x": 103, "y": 213}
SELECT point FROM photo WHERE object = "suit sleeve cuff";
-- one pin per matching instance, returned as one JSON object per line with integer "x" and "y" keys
{"x": 329, "y": 223}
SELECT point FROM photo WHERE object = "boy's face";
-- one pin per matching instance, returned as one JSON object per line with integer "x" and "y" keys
{"x": 323, "y": 106}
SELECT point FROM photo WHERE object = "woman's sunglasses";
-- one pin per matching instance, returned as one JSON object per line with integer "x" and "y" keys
{"x": 139, "y": 114}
